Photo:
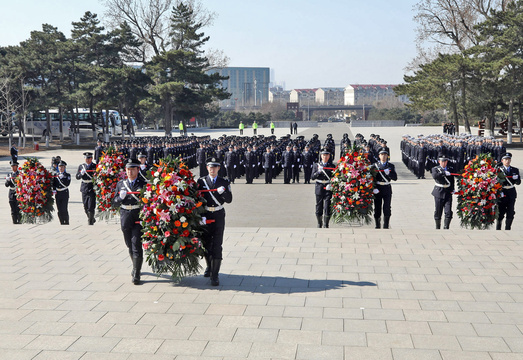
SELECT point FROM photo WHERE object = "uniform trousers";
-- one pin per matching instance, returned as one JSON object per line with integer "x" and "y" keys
{"x": 268, "y": 175}
{"x": 89, "y": 201}
{"x": 62, "y": 201}
{"x": 287, "y": 175}
{"x": 323, "y": 202}
{"x": 441, "y": 204}
{"x": 212, "y": 237}
{"x": 382, "y": 200}
{"x": 506, "y": 207}
{"x": 132, "y": 231}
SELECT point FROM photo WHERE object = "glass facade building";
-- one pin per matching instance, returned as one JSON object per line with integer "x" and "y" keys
{"x": 249, "y": 86}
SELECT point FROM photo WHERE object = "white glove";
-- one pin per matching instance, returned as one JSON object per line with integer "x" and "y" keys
{"x": 447, "y": 173}
{"x": 235, "y": 166}
{"x": 328, "y": 187}
{"x": 83, "y": 171}
{"x": 375, "y": 191}
{"x": 221, "y": 190}
{"x": 253, "y": 165}
{"x": 8, "y": 177}
{"x": 292, "y": 165}
{"x": 61, "y": 176}
{"x": 386, "y": 171}
{"x": 273, "y": 166}
{"x": 143, "y": 166}
{"x": 320, "y": 168}
{"x": 203, "y": 221}
{"x": 515, "y": 177}
{"x": 123, "y": 194}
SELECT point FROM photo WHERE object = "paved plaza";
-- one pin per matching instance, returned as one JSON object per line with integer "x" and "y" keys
{"x": 287, "y": 290}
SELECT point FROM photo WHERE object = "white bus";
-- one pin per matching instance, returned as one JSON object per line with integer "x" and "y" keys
{"x": 37, "y": 124}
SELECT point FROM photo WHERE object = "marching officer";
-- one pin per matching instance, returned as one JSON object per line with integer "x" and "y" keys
{"x": 231, "y": 161}
{"x": 308, "y": 159}
{"x": 129, "y": 204}
{"x": 442, "y": 192}
{"x": 200, "y": 159}
{"x": 212, "y": 237}
{"x": 508, "y": 198}
{"x": 250, "y": 163}
{"x": 84, "y": 173}
{"x": 296, "y": 164}
{"x": 10, "y": 182}
{"x": 383, "y": 189}
{"x": 61, "y": 183}
{"x": 321, "y": 173}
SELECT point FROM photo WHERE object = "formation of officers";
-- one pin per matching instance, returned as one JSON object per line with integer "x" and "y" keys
{"x": 420, "y": 154}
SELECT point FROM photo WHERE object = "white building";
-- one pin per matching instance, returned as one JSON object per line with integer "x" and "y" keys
{"x": 303, "y": 96}
{"x": 367, "y": 94}
{"x": 330, "y": 96}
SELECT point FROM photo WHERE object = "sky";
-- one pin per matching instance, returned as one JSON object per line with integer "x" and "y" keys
{"x": 306, "y": 43}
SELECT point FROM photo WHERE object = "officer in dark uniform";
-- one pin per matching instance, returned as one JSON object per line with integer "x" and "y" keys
{"x": 308, "y": 159}
{"x": 130, "y": 215}
{"x": 212, "y": 237}
{"x": 297, "y": 164}
{"x": 98, "y": 150}
{"x": 442, "y": 192}
{"x": 61, "y": 183}
{"x": 10, "y": 182}
{"x": 231, "y": 160}
{"x": 144, "y": 167}
{"x": 508, "y": 198}
{"x": 85, "y": 173}
{"x": 322, "y": 190}
{"x": 269, "y": 162}
{"x": 200, "y": 159}
{"x": 383, "y": 189}
{"x": 288, "y": 164}
{"x": 250, "y": 164}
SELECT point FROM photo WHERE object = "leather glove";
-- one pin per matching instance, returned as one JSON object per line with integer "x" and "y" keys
{"x": 515, "y": 177}
{"x": 83, "y": 171}
{"x": 386, "y": 171}
{"x": 328, "y": 187}
{"x": 203, "y": 221}
{"x": 122, "y": 194}
{"x": 221, "y": 190}
{"x": 375, "y": 191}
{"x": 447, "y": 173}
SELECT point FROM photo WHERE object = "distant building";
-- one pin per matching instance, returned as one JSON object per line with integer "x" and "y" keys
{"x": 303, "y": 96}
{"x": 368, "y": 94}
{"x": 249, "y": 86}
{"x": 278, "y": 95}
{"x": 330, "y": 96}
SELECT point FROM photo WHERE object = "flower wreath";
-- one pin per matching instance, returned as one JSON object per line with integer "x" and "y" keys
{"x": 171, "y": 217}
{"x": 479, "y": 187}
{"x": 352, "y": 185}
{"x": 109, "y": 171}
{"x": 34, "y": 192}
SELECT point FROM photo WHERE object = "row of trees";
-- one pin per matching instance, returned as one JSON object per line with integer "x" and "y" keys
{"x": 126, "y": 68}
{"x": 469, "y": 60}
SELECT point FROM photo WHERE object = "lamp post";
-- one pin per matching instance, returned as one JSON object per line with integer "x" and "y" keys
{"x": 255, "y": 91}
{"x": 261, "y": 98}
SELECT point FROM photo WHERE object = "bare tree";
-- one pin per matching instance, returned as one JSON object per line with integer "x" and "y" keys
{"x": 448, "y": 27}
{"x": 149, "y": 22}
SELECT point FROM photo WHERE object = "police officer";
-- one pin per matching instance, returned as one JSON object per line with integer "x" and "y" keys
{"x": 383, "y": 189}
{"x": 85, "y": 173}
{"x": 269, "y": 162}
{"x": 212, "y": 237}
{"x": 442, "y": 192}
{"x": 98, "y": 151}
{"x": 61, "y": 183}
{"x": 144, "y": 167}
{"x": 250, "y": 163}
{"x": 321, "y": 173}
{"x": 231, "y": 161}
{"x": 308, "y": 159}
{"x": 287, "y": 164}
{"x": 129, "y": 204}
{"x": 508, "y": 198}
{"x": 10, "y": 182}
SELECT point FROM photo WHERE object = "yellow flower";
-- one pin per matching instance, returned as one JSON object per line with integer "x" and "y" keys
{"x": 185, "y": 224}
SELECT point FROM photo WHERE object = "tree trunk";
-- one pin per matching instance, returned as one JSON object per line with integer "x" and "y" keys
{"x": 61, "y": 125}
{"x": 519, "y": 116}
{"x": 167, "y": 118}
{"x": 464, "y": 102}
{"x": 454, "y": 106}
{"x": 510, "y": 117}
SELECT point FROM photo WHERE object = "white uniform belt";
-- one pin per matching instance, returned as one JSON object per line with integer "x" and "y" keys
{"x": 508, "y": 187}
{"x": 62, "y": 189}
{"x": 213, "y": 208}
{"x": 86, "y": 181}
{"x": 130, "y": 207}
{"x": 323, "y": 181}
{"x": 443, "y": 186}
{"x": 12, "y": 187}
{"x": 383, "y": 183}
